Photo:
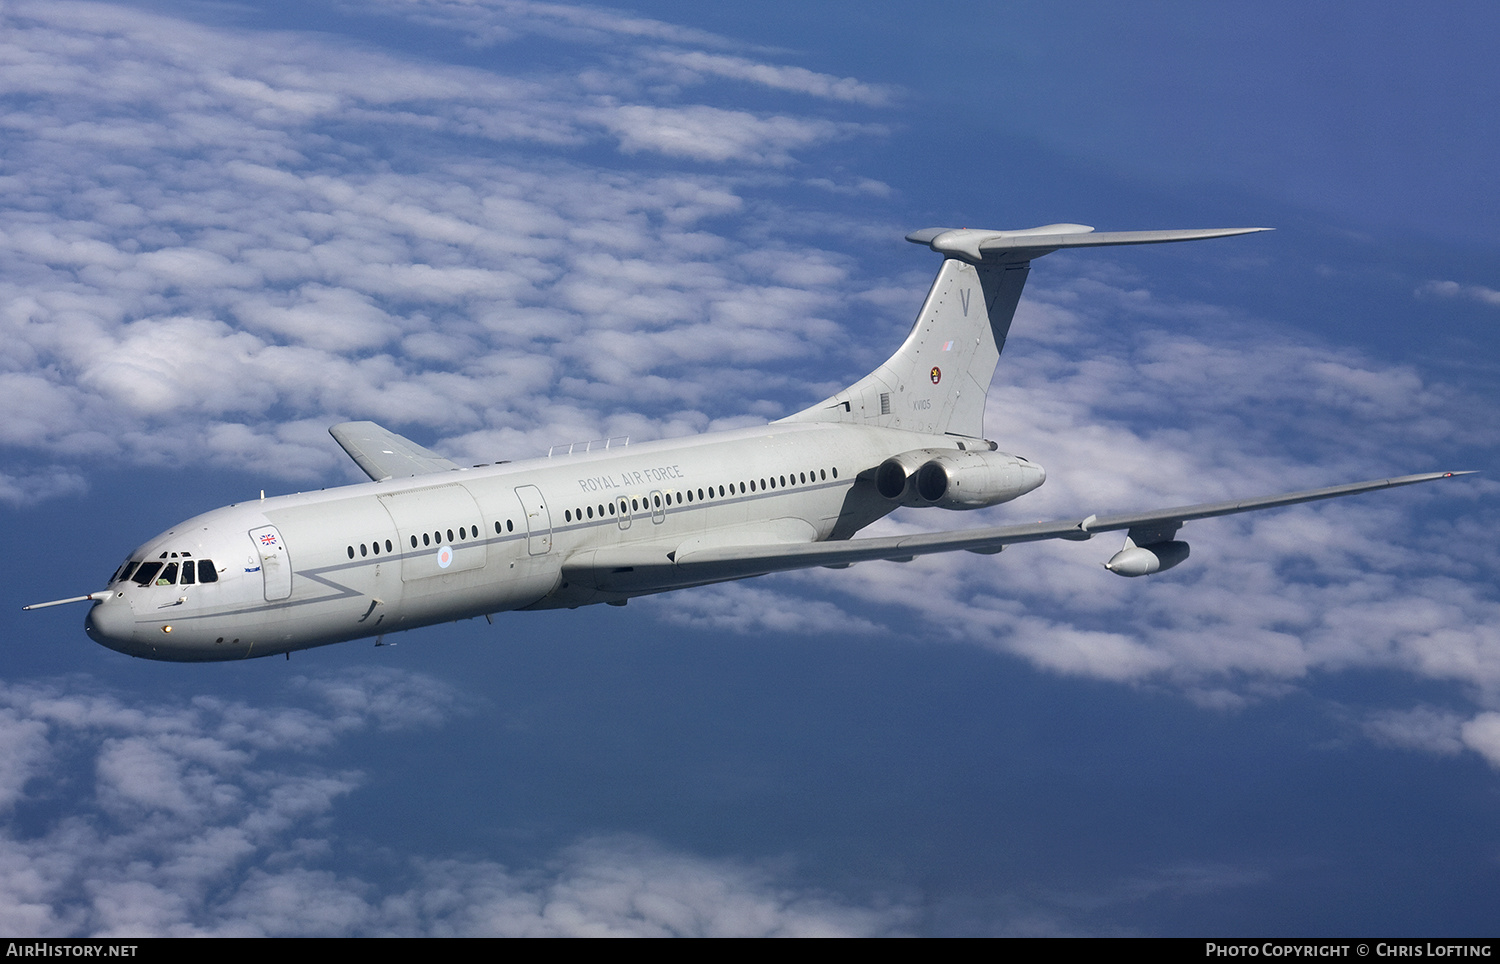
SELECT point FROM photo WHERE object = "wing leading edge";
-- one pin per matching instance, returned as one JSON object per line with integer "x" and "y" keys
{"x": 642, "y": 568}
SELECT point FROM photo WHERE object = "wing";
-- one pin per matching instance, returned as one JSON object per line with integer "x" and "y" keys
{"x": 647, "y": 568}
{"x": 385, "y": 455}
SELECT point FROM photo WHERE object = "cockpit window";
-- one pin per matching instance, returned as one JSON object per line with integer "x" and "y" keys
{"x": 146, "y": 573}
{"x": 167, "y": 574}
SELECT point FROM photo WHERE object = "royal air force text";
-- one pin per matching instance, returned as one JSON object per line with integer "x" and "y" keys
{"x": 658, "y": 473}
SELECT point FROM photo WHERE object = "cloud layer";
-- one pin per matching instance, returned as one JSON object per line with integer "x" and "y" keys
{"x": 210, "y": 248}
{"x": 213, "y": 817}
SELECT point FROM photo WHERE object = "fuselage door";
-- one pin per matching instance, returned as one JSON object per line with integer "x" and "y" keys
{"x": 623, "y": 516}
{"x": 275, "y": 566}
{"x": 538, "y": 519}
{"x": 658, "y": 512}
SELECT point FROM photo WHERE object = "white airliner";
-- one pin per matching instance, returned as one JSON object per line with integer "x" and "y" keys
{"x": 427, "y": 541}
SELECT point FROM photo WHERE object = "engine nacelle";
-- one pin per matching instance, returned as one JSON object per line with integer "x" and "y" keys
{"x": 894, "y": 478}
{"x": 974, "y": 480}
{"x": 1136, "y": 560}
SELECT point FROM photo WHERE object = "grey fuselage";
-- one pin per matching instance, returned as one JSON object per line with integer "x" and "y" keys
{"x": 378, "y": 557}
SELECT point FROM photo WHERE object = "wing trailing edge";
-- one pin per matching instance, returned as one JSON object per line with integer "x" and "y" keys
{"x": 662, "y": 567}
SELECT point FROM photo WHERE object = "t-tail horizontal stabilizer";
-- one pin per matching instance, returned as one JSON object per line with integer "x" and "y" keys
{"x": 988, "y": 246}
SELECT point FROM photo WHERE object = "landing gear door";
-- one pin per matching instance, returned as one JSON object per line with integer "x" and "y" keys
{"x": 538, "y": 520}
{"x": 275, "y": 567}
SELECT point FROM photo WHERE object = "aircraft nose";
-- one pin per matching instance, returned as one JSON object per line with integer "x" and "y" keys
{"x": 112, "y": 623}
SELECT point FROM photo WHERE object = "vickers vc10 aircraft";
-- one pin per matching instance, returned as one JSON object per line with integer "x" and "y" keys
{"x": 427, "y": 541}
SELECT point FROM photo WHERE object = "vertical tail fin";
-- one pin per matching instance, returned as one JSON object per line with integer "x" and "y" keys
{"x": 937, "y": 380}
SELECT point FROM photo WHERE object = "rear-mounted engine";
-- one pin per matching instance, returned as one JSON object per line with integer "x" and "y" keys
{"x": 956, "y": 480}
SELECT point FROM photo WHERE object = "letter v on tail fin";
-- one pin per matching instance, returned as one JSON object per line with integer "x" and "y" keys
{"x": 937, "y": 380}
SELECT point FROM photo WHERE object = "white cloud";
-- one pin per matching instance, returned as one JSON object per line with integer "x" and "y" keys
{"x": 705, "y": 133}
{"x": 1482, "y": 735}
{"x": 494, "y": 21}
{"x": 1453, "y": 289}
{"x": 616, "y": 887}
{"x": 1420, "y": 728}
{"x": 29, "y": 488}
{"x": 743, "y": 608}
{"x": 796, "y": 79}
{"x": 656, "y": 50}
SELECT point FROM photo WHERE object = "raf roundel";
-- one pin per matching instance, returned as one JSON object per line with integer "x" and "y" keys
{"x": 937, "y": 374}
{"x": 445, "y": 557}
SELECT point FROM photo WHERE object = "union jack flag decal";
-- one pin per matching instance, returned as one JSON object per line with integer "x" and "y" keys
{"x": 269, "y": 539}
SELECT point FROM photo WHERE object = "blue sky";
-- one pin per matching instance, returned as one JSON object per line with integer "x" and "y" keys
{"x": 500, "y": 226}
